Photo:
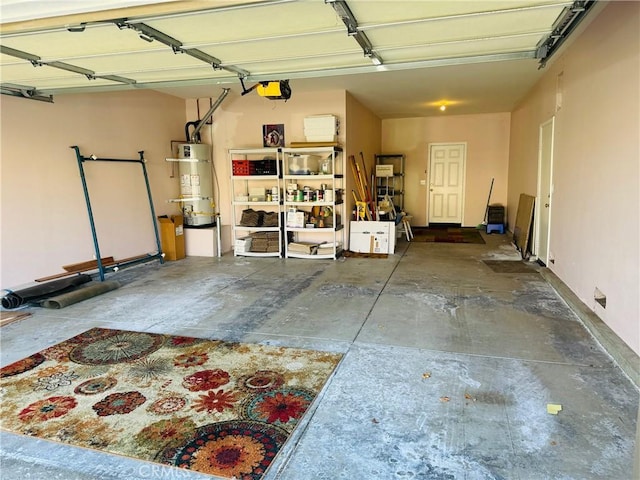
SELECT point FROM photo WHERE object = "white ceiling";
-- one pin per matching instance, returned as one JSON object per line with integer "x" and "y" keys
{"x": 474, "y": 56}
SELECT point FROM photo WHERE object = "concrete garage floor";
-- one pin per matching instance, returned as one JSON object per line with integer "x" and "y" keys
{"x": 447, "y": 372}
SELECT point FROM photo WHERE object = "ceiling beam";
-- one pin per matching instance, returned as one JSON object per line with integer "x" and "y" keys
{"x": 459, "y": 16}
{"x": 23, "y": 91}
{"x": 292, "y": 75}
{"x": 107, "y": 15}
{"x": 149, "y": 34}
{"x": 349, "y": 20}
{"x": 37, "y": 61}
{"x": 566, "y": 22}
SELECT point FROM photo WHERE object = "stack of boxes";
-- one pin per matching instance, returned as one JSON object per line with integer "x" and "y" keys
{"x": 265, "y": 242}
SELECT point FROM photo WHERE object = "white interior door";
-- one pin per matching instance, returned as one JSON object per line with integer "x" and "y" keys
{"x": 446, "y": 182}
{"x": 545, "y": 191}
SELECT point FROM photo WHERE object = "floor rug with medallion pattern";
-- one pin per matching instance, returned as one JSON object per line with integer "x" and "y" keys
{"x": 211, "y": 406}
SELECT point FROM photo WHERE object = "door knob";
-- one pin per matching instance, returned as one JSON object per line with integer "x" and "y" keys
{"x": 546, "y": 205}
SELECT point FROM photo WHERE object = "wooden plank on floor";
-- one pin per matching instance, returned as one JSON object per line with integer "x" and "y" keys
{"x": 9, "y": 317}
{"x": 109, "y": 263}
{"x": 88, "y": 265}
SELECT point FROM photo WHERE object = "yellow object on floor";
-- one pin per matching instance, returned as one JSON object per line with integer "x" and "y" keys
{"x": 553, "y": 408}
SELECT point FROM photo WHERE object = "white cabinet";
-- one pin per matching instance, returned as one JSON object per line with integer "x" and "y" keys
{"x": 313, "y": 183}
{"x": 256, "y": 190}
{"x": 372, "y": 237}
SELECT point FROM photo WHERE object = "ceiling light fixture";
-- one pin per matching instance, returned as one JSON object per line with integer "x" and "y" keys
{"x": 443, "y": 108}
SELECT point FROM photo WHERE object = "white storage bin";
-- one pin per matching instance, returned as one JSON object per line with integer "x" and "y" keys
{"x": 321, "y": 128}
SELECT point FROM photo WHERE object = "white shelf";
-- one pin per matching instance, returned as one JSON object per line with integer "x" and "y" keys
{"x": 240, "y": 186}
{"x": 311, "y": 204}
{"x": 333, "y": 182}
{"x": 254, "y": 151}
{"x": 257, "y": 254}
{"x": 241, "y": 228}
{"x": 316, "y": 230}
{"x": 254, "y": 177}
{"x": 318, "y": 256}
{"x": 301, "y": 176}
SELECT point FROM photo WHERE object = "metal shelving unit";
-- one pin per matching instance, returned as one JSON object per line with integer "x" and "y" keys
{"x": 391, "y": 185}
{"x": 314, "y": 227}
{"x": 256, "y": 186}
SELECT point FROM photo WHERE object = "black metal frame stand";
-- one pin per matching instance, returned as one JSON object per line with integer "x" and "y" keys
{"x": 143, "y": 259}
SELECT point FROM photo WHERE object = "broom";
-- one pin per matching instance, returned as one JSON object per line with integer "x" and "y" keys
{"x": 483, "y": 225}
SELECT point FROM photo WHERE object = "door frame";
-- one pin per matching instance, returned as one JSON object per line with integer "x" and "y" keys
{"x": 463, "y": 183}
{"x": 539, "y": 208}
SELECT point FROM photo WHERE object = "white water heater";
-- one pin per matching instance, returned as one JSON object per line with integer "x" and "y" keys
{"x": 196, "y": 186}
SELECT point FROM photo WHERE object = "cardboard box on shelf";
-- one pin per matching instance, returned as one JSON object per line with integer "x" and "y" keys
{"x": 306, "y": 248}
{"x": 384, "y": 170}
{"x": 172, "y": 236}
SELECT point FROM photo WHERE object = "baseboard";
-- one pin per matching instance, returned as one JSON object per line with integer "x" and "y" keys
{"x": 621, "y": 353}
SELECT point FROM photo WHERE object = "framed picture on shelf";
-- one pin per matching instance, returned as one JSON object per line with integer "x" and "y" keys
{"x": 273, "y": 135}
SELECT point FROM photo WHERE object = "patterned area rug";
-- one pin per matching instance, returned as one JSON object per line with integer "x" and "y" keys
{"x": 447, "y": 234}
{"x": 215, "y": 407}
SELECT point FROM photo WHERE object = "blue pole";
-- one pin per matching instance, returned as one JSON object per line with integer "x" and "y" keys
{"x": 90, "y": 212}
{"x": 153, "y": 212}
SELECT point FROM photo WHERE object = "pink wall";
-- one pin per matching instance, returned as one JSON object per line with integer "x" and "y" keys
{"x": 44, "y": 217}
{"x": 487, "y": 138}
{"x": 595, "y": 219}
{"x": 364, "y": 134}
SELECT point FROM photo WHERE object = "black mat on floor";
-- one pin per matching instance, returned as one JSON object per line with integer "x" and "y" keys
{"x": 447, "y": 234}
{"x": 348, "y": 253}
{"x": 509, "y": 266}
